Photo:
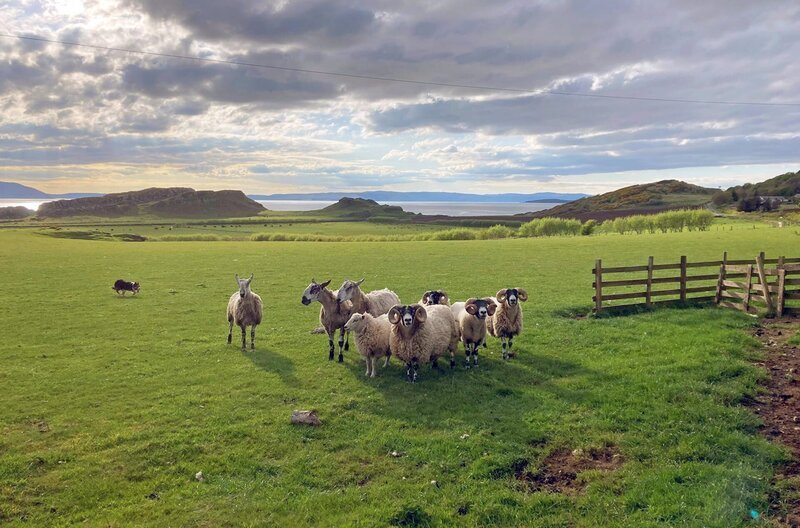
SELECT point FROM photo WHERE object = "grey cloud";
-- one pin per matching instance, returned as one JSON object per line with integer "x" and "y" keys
{"x": 321, "y": 21}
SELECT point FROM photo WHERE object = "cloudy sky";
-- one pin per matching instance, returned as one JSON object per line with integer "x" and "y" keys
{"x": 79, "y": 119}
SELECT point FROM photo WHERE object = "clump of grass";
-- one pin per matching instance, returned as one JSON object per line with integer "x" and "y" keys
{"x": 454, "y": 234}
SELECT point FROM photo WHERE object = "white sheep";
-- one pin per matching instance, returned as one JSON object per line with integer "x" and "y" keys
{"x": 506, "y": 323}
{"x": 375, "y": 303}
{"x": 244, "y": 309}
{"x": 471, "y": 318}
{"x": 332, "y": 315}
{"x": 422, "y": 334}
{"x": 372, "y": 338}
{"x": 432, "y": 297}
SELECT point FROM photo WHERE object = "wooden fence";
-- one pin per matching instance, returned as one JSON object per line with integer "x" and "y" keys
{"x": 771, "y": 288}
{"x": 693, "y": 281}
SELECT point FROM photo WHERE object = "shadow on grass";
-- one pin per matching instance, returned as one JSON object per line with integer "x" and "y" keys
{"x": 625, "y": 311}
{"x": 495, "y": 391}
{"x": 270, "y": 361}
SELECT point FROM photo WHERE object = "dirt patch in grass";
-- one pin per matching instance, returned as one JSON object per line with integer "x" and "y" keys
{"x": 559, "y": 472}
{"x": 779, "y": 408}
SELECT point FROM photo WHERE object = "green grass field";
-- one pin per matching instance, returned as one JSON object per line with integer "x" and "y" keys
{"x": 111, "y": 405}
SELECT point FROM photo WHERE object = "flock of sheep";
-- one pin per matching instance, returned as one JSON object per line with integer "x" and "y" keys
{"x": 383, "y": 327}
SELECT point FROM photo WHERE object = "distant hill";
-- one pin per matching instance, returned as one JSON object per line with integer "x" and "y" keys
{"x": 786, "y": 185}
{"x": 363, "y": 209}
{"x": 16, "y": 190}
{"x": 173, "y": 202}
{"x": 396, "y": 196}
{"x": 644, "y": 198}
{"x": 15, "y": 213}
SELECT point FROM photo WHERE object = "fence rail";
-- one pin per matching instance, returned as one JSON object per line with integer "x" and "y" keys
{"x": 755, "y": 287}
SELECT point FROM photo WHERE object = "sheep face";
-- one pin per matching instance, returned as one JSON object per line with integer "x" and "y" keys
{"x": 512, "y": 296}
{"x": 355, "y": 323}
{"x": 347, "y": 290}
{"x": 432, "y": 297}
{"x": 407, "y": 314}
{"x": 244, "y": 286}
{"x": 480, "y": 308}
{"x": 312, "y": 292}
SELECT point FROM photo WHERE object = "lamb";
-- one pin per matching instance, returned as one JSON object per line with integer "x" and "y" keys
{"x": 432, "y": 297}
{"x": 471, "y": 318}
{"x": 332, "y": 315}
{"x": 506, "y": 323}
{"x": 372, "y": 338}
{"x": 422, "y": 334}
{"x": 244, "y": 309}
{"x": 375, "y": 303}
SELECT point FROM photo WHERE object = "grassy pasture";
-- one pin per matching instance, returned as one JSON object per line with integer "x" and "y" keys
{"x": 111, "y": 405}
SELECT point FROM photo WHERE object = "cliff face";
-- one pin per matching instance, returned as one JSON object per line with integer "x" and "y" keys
{"x": 175, "y": 202}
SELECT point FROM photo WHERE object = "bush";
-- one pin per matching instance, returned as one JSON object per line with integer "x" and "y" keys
{"x": 675, "y": 221}
{"x": 549, "y": 226}
{"x": 588, "y": 227}
{"x": 497, "y": 231}
{"x": 454, "y": 234}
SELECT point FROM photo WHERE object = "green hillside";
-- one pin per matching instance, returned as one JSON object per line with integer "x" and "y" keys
{"x": 743, "y": 196}
{"x": 644, "y": 198}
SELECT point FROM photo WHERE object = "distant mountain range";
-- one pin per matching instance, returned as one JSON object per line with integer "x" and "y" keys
{"x": 399, "y": 196}
{"x": 16, "y": 190}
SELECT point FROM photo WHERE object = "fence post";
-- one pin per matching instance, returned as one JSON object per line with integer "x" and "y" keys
{"x": 762, "y": 278}
{"x": 781, "y": 291}
{"x": 724, "y": 258}
{"x": 718, "y": 296}
{"x": 648, "y": 295}
{"x": 683, "y": 278}
{"x": 598, "y": 285}
{"x": 748, "y": 284}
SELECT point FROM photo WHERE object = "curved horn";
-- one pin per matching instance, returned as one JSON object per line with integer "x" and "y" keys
{"x": 426, "y": 296}
{"x": 419, "y": 313}
{"x": 523, "y": 295}
{"x": 444, "y": 298}
{"x": 325, "y": 284}
{"x": 394, "y": 314}
{"x": 502, "y": 294}
{"x": 471, "y": 308}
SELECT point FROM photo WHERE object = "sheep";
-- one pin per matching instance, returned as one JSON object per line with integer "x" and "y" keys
{"x": 432, "y": 297}
{"x": 375, "y": 303}
{"x": 372, "y": 338}
{"x": 244, "y": 309}
{"x": 421, "y": 334}
{"x": 507, "y": 319}
{"x": 471, "y": 318}
{"x": 332, "y": 315}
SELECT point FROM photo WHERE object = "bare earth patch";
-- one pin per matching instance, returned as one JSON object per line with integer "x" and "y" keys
{"x": 559, "y": 472}
{"x": 779, "y": 408}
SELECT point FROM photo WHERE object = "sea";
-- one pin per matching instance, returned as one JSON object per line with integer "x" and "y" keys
{"x": 427, "y": 208}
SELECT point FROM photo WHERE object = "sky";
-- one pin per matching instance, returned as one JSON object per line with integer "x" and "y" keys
{"x": 80, "y": 119}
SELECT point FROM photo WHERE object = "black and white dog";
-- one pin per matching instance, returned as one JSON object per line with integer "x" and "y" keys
{"x": 122, "y": 286}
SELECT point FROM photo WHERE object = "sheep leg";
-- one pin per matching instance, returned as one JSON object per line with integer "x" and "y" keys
{"x": 230, "y": 331}
{"x": 503, "y": 344}
{"x": 510, "y": 343}
{"x": 341, "y": 345}
{"x": 253, "y": 337}
{"x": 368, "y": 361}
{"x": 415, "y": 368}
{"x": 373, "y": 366}
{"x": 330, "y": 345}
{"x": 386, "y": 363}
{"x": 347, "y": 341}
{"x": 467, "y": 348}
{"x": 244, "y": 338}
{"x": 435, "y": 365}
{"x": 408, "y": 372}
{"x": 475, "y": 347}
